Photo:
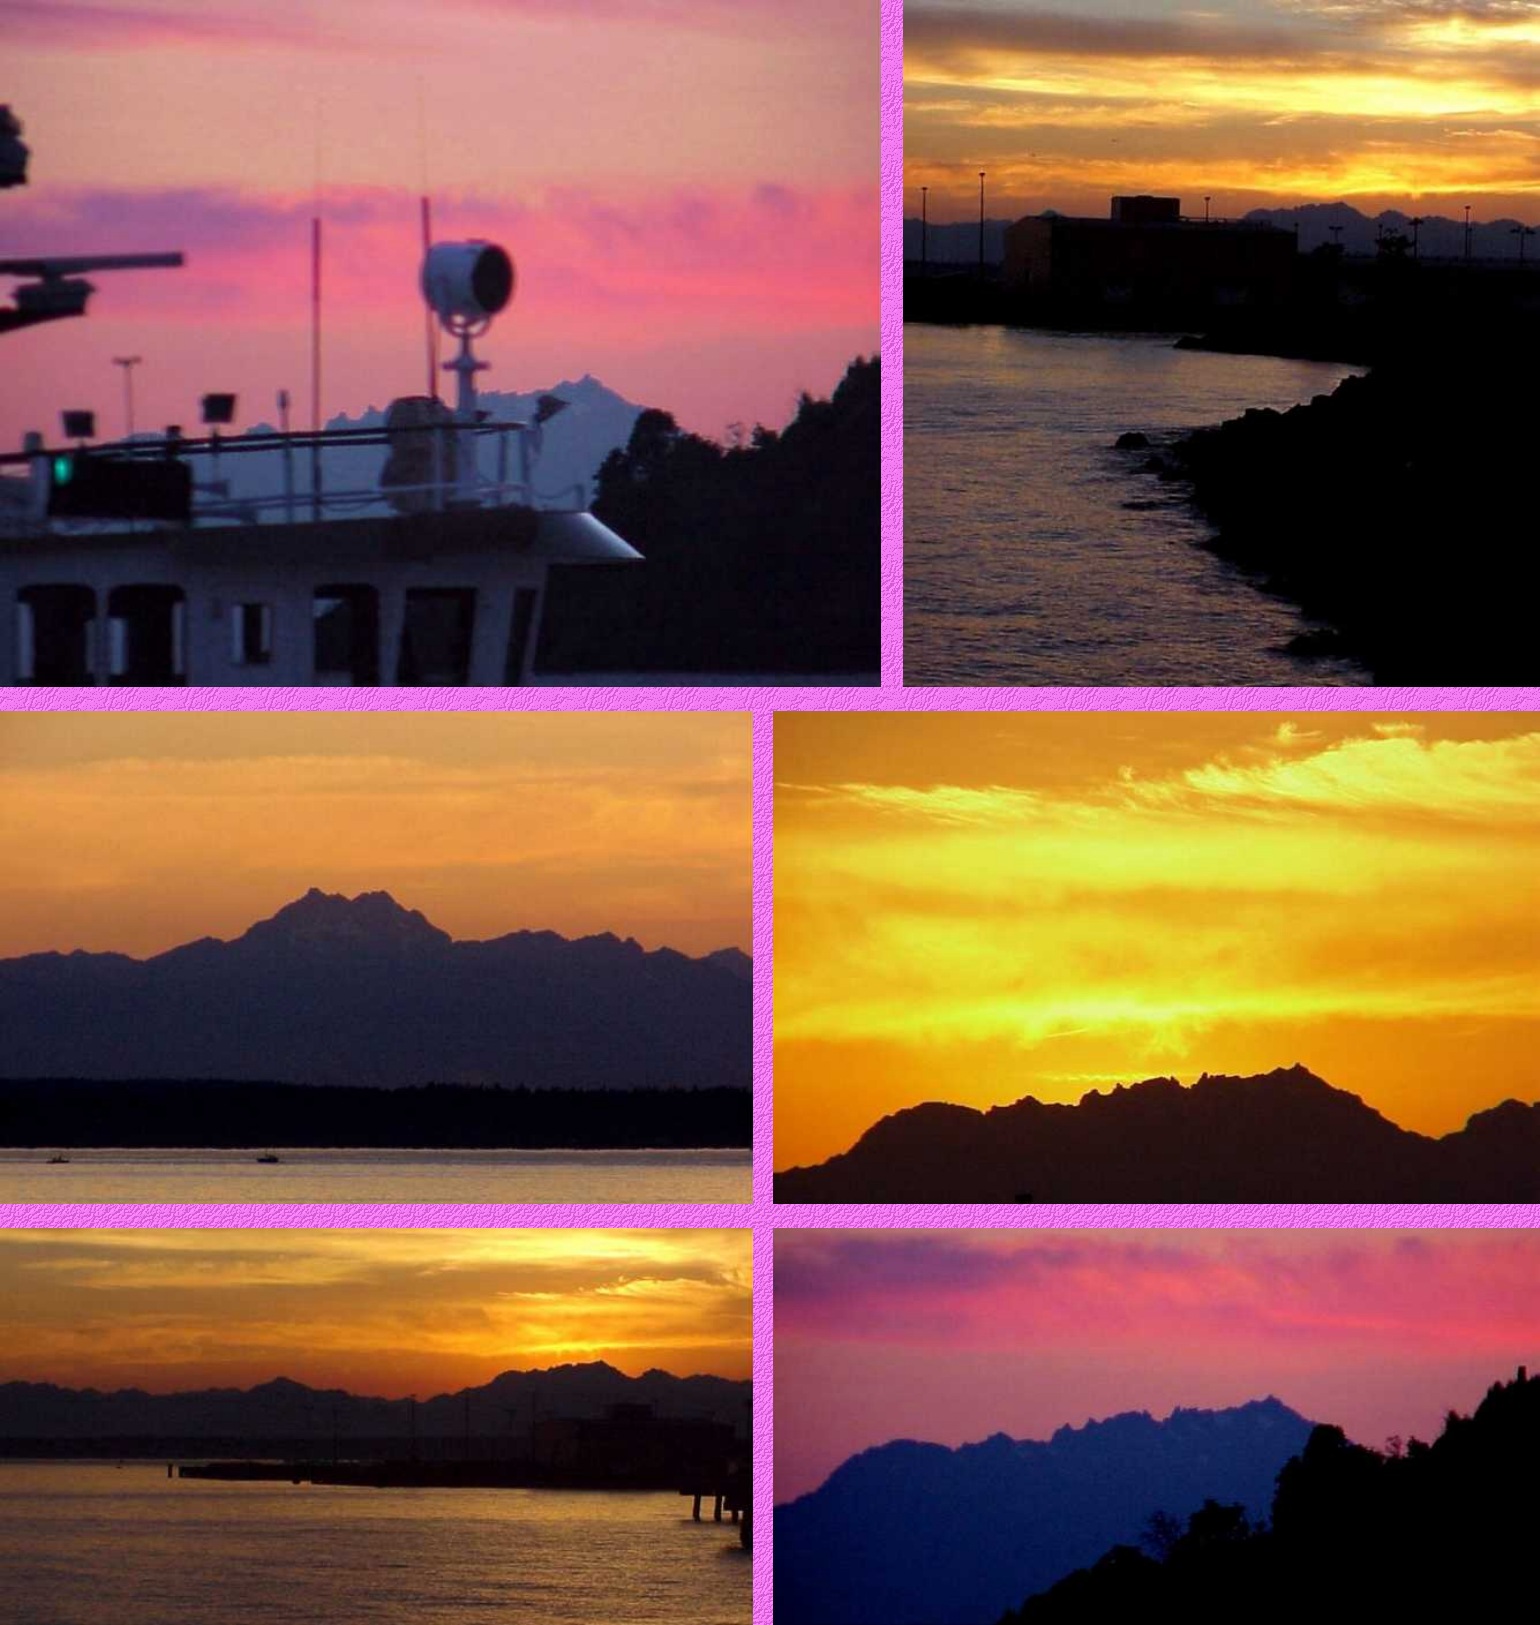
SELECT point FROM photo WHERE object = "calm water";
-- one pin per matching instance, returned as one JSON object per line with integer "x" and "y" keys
{"x": 1034, "y": 553}
{"x": 130, "y": 1546}
{"x": 378, "y": 1176}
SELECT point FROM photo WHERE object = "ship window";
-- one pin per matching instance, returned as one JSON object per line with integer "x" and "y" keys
{"x": 519, "y": 637}
{"x": 251, "y": 634}
{"x": 436, "y": 637}
{"x": 347, "y": 635}
{"x": 53, "y": 635}
{"x": 146, "y": 635}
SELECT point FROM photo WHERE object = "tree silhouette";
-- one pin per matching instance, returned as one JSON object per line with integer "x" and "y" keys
{"x": 1429, "y": 1530}
{"x": 763, "y": 555}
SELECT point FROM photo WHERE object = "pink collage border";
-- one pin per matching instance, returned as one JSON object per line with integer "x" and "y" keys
{"x": 760, "y": 1214}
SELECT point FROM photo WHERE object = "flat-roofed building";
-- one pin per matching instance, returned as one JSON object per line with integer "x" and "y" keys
{"x": 1146, "y": 255}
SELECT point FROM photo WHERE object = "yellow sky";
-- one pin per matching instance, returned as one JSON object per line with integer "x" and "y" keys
{"x": 380, "y": 1312}
{"x": 135, "y": 832}
{"x": 975, "y": 907}
{"x": 1384, "y": 103}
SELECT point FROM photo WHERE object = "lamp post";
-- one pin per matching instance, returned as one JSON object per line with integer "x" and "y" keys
{"x": 981, "y": 225}
{"x": 1521, "y": 232}
{"x": 128, "y": 363}
{"x": 1205, "y": 208}
{"x": 1416, "y": 235}
{"x": 1467, "y": 234}
{"x": 924, "y": 231}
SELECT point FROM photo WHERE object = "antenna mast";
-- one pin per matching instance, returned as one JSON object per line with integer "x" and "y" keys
{"x": 430, "y": 327}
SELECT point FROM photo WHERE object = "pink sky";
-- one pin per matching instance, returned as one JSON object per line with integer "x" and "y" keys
{"x": 688, "y": 187}
{"x": 949, "y": 1336}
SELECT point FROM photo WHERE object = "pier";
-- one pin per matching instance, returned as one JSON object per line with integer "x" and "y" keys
{"x": 732, "y": 1496}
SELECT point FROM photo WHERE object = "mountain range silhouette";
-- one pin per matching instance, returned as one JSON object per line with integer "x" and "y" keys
{"x": 284, "y": 1409}
{"x": 1283, "y": 1136}
{"x": 573, "y": 444}
{"x": 363, "y": 991}
{"x": 1440, "y": 1531}
{"x": 917, "y": 1534}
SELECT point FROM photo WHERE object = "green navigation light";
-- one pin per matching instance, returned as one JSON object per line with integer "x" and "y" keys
{"x": 63, "y": 470}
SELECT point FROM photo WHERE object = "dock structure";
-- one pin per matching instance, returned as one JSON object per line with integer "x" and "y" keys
{"x": 732, "y": 1495}
{"x": 629, "y": 1448}
{"x": 729, "y": 1490}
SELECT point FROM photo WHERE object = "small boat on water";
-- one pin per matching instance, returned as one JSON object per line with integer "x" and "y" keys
{"x": 270, "y": 1157}
{"x": 53, "y": 1160}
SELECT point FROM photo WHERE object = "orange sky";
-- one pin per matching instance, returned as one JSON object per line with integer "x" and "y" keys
{"x": 976, "y": 907}
{"x": 379, "y": 1312}
{"x": 135, "y": 832}
{"x": 1258, "y": 103}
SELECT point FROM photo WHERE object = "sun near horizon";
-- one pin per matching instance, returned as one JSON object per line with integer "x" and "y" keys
{"x": 137, "y": 832}
{"x": 381, "y": 1313}
{"x": 975, "y": 908}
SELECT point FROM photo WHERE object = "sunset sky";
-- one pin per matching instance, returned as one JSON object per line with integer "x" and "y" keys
{"x": 951, "y": 1336}
{"x": 379, "y": 1312}
{"x": 689, "y": 188}
{"x": 976, "y": 907}
{"x": 135, "y": 832}
{"x": 1259, "y": 103}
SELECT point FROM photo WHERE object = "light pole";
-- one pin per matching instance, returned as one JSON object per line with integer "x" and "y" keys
{"x": 981, "y": 225}
{"x": 1521, "y": 232}
{"x": 924, "y": 231}
{"x": 1467, "y": 234}
{"x": 128, "y": 363}
{"x": 1416, "y": 235}
{"x": 1205, "y": 208}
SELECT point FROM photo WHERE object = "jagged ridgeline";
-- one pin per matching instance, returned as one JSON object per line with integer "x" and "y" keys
{"x": 1422, "y": 1531}
{"x": 1285, "y": 1136}
{"x": 917, "y": 1534}
{"x": 482, "y": 1039}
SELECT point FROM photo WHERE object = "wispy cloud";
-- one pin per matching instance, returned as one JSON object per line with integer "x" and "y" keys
{"x": 952, "y": 1336}
{"x": 1005, "y": 1289}
{"x": 1364, "y": 900}
{"x": 1297, "y": 99}
{"x": 164, "y": 1309}
{"x": 638, "y": 825}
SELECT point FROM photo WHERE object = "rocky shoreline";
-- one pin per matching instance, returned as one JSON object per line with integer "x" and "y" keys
{"x": 1393, "y": 511}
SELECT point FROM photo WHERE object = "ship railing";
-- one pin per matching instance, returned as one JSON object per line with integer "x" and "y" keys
{"x": 306, "y": 494}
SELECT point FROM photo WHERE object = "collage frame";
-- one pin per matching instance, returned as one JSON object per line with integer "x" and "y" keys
{"x": 761, "y": 1215}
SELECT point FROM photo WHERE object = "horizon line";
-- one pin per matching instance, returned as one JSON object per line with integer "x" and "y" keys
{"x": 329, "y": 896}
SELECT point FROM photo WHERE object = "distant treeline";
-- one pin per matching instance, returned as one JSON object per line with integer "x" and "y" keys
{"x": 1413, "y": 1531}
{"x": 763, "y": 556}
{"x": 216, "y": 1115}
